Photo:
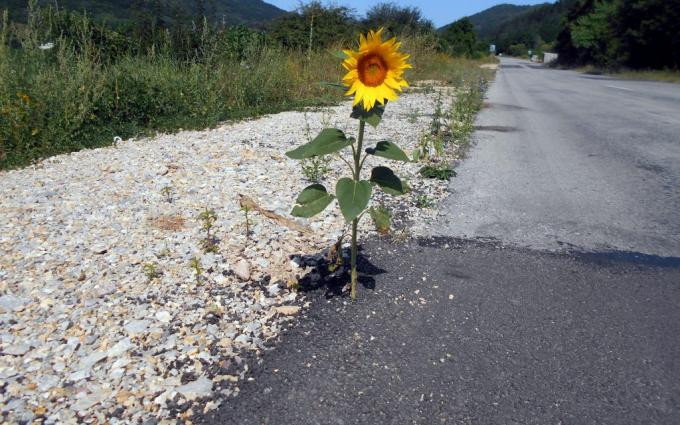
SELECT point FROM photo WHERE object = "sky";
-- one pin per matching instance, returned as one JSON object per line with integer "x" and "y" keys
{"x": 441, "y": 12}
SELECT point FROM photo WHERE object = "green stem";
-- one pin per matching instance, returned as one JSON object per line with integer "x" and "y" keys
{"x": 355, "y": 222}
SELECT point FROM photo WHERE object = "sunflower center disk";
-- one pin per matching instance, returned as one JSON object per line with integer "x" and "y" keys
{"x": 372, "y": 70}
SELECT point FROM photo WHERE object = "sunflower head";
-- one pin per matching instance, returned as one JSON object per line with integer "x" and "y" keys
{"x": 375, "y": 72}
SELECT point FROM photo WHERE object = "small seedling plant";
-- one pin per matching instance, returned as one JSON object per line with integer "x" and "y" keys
{"x": 167, "y": 192}
{"x": 195, "y": 265}
{"x": 248, "y": 222}
{"x": 208, "y": 218}
{"x": 151, "y": 272}
{"x": 375, "y": 75}
{"x": 314, "y": 169}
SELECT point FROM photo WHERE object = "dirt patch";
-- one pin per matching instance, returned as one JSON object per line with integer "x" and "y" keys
{"x": 172, "y": 223}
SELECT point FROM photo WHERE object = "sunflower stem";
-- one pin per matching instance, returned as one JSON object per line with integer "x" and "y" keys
{"x": 355, "y": 223}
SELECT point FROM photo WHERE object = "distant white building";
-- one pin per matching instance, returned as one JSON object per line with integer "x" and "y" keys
{"x": 549, "y": 57}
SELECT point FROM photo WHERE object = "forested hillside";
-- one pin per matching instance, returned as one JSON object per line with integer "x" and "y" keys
{"x": 123, "y": 12}
{"x": 487, "y": 22}
{"x": 515, "y": 29}
{"x": 605, "y": 33}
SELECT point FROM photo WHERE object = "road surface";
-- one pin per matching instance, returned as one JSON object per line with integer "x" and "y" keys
{"x": 565, "y": 159}
{"x": 463, "y": 332}
{"x": 483, "y": 328}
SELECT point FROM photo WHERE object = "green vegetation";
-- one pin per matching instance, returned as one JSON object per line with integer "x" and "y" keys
{"x": 159, "y": 13}
{"x": 516, "y": 29}
{"x": 487, "y": 22}
{"x": 610, "y": 34}
{"x": 460, "y": 39}
{"x": 423, "y": 201}
{"x": 195, "y": 266}
{"x": 208, "y": 218}
{"x": 440, "y": 172}
{"x": 151, "y": 272}
{"x": 70, "y": 82}
{"x": 382, "y": 219}
{"x": 637, "y": 34}
{"x": 667, "y": 76}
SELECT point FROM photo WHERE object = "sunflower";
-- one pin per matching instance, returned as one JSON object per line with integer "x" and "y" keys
{"x": 375, "y": 71}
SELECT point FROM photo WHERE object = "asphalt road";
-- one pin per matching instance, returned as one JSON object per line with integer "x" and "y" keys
{"x": 463, "y": 332}
{"x": 564, "y": 158}
{"x": 558, "y": 303}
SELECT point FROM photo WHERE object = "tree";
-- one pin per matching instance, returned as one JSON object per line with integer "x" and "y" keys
{"x": 594, "y": 32}
{"x": 518, "y": 50}
{"x": 649, "y": 33}
{"x": 460, "y": 38}
{"x": 396, "y": 19}
{"x": 314, "y": 22}
{"x": 615, "y": 33}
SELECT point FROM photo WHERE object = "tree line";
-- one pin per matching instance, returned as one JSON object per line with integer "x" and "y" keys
{"x": 622, "y": 33}
{"x": 190, "y": 30}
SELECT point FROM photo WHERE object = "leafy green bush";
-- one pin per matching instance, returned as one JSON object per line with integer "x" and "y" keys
{"x": 440, "y": 172}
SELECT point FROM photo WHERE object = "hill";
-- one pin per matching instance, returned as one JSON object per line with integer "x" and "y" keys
{"x": 116, "y": 12}
{"x": 532, "y": 27}
{"x": 487, "y": 22}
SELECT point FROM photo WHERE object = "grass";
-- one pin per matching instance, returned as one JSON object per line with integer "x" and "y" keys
{"x": 667, "y": 76}
{"x": 663, "y": 75}
{"x": 80, "y": 95}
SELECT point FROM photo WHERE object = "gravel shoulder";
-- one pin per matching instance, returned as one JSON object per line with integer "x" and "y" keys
{"x": 459, "y": 331}
{"x": 103, "y": 319}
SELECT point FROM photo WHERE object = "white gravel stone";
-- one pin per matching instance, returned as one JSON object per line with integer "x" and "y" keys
{"x": 95, "y": 284}
{"x": 163, "y": 316}
{"x": 242, "y": 270}
{"x": 202, "y": 387}
{"x": 16, "y": 349}
{"x": 12, "y": 303}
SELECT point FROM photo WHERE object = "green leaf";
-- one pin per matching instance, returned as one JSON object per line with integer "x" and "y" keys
{"x": 373, "y": 117}
{"x": 382, "y": 219}
{"x": 340, "y": 54}
{"x": 389, "y": 150}
{"x": 311, "y": 201}
{"x": 416, "y": 155}
{"x": 352, "y": 196}
{"x": 388, "y": 181}
{"x": 328, "y": 141}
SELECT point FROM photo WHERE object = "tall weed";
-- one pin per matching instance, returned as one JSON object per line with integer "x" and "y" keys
{"x": 95, "y": 84}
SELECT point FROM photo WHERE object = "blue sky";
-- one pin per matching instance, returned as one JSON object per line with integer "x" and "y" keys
{"x": 441, "y": 12}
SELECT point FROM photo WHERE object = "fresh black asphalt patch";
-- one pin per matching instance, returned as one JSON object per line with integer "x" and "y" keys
{"x": 467, "y": 332}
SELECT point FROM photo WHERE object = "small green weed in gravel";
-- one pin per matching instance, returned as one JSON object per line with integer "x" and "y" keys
{"x": 440, "y": 172}
{"x": 429, "y": 146}
{"x": 412, "y": 116}
{"x": 195, "y": 265}
{"x": 314, "y": 169}
{"x": 436, "y": 123}
{"x": 248, "y": 222}
{"x": 151, "y": 272}
{"x": 423, "y": 201}
{"x": 167, "y": 191}
{"x": 208, "y": 218}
